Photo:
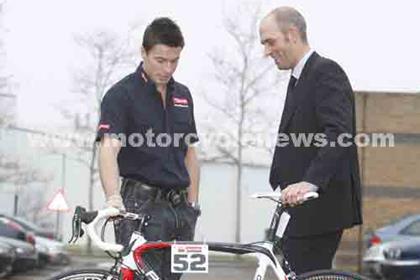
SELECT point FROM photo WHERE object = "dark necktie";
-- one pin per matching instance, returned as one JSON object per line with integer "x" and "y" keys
{"x": 289, "y": 96}
{"x": 291, "y": 85}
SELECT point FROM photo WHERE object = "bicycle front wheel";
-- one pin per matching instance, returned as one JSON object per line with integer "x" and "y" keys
{"x": 331, "y": 275}
{"x": 85, "y": 274}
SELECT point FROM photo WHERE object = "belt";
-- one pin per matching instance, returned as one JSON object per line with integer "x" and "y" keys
{"x": 175, "y": 196}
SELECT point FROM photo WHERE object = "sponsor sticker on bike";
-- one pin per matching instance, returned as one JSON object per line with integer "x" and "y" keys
{"x": 284, "y": 221}
{"x": 189, "y": 258}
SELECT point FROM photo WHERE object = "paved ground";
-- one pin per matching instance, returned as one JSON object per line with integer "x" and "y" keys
{"x": 43, "y": 274}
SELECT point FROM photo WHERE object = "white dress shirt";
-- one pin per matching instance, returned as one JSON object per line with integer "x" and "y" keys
{"x": 297, "y": 70}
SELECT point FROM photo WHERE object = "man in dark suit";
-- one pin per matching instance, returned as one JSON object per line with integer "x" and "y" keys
{"x": 315, "y": 149}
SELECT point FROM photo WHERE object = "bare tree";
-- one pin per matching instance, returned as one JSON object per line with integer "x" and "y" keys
{"x": 4, "y": 81}
{"x": 245, "y": 80}
{"x": 1, "y": 25}
{"x": 14, "y": 172}
{"x": 34, "y": 202}
{"x": 107, "y": 56}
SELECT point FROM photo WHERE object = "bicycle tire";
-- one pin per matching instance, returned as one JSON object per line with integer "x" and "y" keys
{"x": 331, "y": 275}
{"x": 85, "y": 274}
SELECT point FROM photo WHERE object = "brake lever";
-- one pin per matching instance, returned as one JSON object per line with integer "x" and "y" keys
{"x": 73, "y": 225}
{"x": 77, "y": 230}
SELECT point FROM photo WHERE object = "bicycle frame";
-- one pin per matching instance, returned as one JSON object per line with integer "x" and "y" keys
{"x": 132, "y": 258}
{"x": 262, "y": 251}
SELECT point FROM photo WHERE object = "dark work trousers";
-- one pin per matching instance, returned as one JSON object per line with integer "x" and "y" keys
{"x": 168, "y": 221}
{"x": 311, "y": 253}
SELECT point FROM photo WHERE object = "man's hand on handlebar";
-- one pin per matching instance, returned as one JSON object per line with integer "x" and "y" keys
{"x": 294, "y": 194}
{"x": 115, "y": 201}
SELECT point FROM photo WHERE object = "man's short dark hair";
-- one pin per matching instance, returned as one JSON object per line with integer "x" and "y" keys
{"x": 163, "y": 31}
{"x": 288, "y": 16}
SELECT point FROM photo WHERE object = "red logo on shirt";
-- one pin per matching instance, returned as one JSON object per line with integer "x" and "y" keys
{"x": 181, "y": 101}
{"x": 104, "y": 126}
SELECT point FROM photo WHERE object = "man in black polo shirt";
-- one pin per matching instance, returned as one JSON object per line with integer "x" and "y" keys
{"x": 146, "y": 132}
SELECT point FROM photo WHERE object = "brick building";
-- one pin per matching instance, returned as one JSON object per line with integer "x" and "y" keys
{"x": 390, "y": 175}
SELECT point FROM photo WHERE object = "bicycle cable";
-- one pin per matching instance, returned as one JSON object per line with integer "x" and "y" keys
{"x": 116, "y": 257}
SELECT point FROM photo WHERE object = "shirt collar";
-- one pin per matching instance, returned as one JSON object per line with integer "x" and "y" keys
{"x": 144, "y": 78}
{"x": 297, "y": 70}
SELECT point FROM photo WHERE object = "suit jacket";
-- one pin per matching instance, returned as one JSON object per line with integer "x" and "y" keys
{"x": 321, "y": 102}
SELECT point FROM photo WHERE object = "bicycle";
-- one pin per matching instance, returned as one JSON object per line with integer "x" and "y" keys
{"x": 129, "y": 261}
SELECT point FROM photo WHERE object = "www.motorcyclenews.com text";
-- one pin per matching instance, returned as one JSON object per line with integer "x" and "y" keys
{"x": 218, "y": 139}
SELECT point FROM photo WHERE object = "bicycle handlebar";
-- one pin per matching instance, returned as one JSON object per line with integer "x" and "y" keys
{"x": 91, "y": 219}
{"x": 277, "y": 195}
{"x": 91, "y": 230}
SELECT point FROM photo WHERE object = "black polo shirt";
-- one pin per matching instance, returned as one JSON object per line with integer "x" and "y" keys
{"x": 154, "y": 138}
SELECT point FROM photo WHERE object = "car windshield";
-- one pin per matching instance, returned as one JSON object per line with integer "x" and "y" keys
{"x": 401, "y": 219}
{"x": 28, "y": 225}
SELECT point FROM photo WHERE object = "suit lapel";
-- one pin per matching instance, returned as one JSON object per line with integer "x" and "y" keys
{"x": 297, "y": 93}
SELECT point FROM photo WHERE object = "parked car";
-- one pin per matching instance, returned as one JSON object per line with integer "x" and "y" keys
{"x": 56, "y": 251}
{"x": 13, "y": 230}
{"x": 38, "y": 231}
{"x": 51, "y": 250}
{"x": 7, "y": 257}
{"x": 43, "y": 253}
{"x": 405, "y": 228}
{"x": 26, "y": 254}
{"x": 394, "y": 260}
{"x": 9, "y": 228}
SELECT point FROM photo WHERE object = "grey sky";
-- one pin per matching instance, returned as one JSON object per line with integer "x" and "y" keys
{"x": 376, "y": 42}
